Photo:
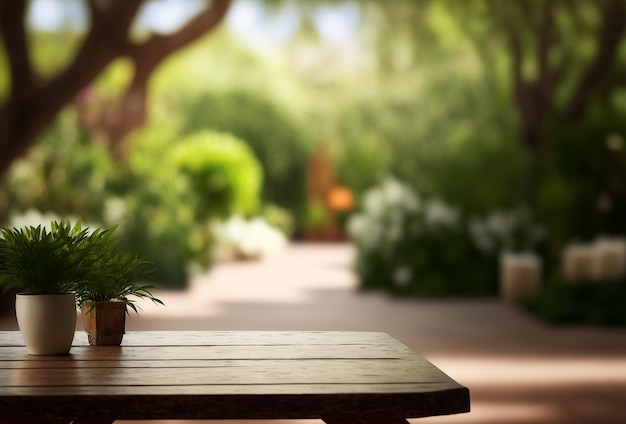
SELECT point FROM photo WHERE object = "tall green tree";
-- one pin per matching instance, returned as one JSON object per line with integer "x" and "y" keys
{"x": 562, "y": 56}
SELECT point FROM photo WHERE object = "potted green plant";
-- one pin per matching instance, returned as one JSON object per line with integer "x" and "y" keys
{"x": 104, "y": 298}
{"x": 47, "y": 265}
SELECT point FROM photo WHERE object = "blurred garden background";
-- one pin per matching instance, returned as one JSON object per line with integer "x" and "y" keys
{"x": 454, "y": 142}
{"x": 452, "y": 172}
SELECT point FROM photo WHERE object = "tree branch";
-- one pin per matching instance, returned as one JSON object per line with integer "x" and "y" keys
{"x": 609, "y": 37}
{"x": 147, "y": 56}
{"x": 12, "y": 29}
{"x": 160, "y": 46}
{"x": 545, "y": 43}
{"x": 33, "y": 106}
{"x": 130, "y": 111}
{"x": 530, "y": 96}
{"x": 106, "y": 40}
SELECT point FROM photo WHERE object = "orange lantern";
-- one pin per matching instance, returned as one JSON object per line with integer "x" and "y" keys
{"x": 340, "y": 199}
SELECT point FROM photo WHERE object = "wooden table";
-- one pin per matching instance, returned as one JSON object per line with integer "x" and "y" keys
{"x": 340, "y": 377}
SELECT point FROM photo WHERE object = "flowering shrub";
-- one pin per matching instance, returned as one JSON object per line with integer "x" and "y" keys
{"x": 407, "y": 244}
{"x": 248, "y": 239}
{"x": 506, "y": 231}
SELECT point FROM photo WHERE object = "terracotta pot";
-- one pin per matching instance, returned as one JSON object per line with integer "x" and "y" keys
{"x": 104, "y": 322}
{"x": 47, "y": 322}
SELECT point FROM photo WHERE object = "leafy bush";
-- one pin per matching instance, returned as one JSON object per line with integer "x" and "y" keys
{"x": 68, "y": 174}
{"x": 155, "y": 210}
{"x": 599, "y": 303}
{"x": 501, "y": 231}
{"x": 223, "y": 172}
{"x": 280, "y": 143}
{"x": 65, "y": 173}
{"x": 412, "y": 245}
{"x": 579, "y": 190}
{"x": 446, "y": 138}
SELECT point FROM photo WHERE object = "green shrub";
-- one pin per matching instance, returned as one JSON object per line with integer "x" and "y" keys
{"x": 156, "y": 213}
{"x": 66, "y": 172}
{"x": 446, "y": 138}
{"x": 280, "y": 143}
{"x": 579, "y": 189}
{"x": 597, "y": 303}
{"x": 222, "y": 171}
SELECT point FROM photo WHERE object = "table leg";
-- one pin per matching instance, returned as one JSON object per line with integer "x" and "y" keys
{"x": 365, "y": 421}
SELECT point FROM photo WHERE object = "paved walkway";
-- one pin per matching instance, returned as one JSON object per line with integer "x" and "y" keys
{"x": 518, "y": 369}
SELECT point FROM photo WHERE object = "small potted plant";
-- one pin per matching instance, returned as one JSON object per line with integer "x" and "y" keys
{"x": 47, "y": 265}
{"x": 105, "y": 296}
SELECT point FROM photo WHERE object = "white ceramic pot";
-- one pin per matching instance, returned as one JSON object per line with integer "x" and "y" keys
{"x": 47, "y": 322}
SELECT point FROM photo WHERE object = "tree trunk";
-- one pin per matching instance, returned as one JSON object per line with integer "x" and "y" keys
{"x": 33, "y": 105}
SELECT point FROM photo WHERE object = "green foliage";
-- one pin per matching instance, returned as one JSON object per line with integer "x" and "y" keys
{"x": 277, "y": 139}
{"x": 597, "y": 303}
{"x": 578, "y": 183}
{"x": 114, "y": 277}
{"x": 222, "y": 171}
{"x": 434, "y": 110}
{"x": 157, "y": 209}
{"x": 156, "y": 213}
{"x": 152, "y": 204}
{"x": 317, "y": 215}
{"x": 415, "y": 246}
{"x": 46, "y": 262}
{"x": 70, "y": 258}
{"x": 279, "y": 218}
{"x": 47, "y": 178}
{"x": 446, "y": 138}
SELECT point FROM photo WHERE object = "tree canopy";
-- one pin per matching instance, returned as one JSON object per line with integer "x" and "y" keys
{"x": 562, "y": 56}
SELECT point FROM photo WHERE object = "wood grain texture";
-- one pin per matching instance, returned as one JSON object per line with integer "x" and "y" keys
{"x": 228, "y": 375}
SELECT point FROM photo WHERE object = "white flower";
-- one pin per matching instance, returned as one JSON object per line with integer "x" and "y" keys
{"x": 364, "y": 231}
{"x": 390, "y": 195}
{"x": 373, "y": 203}
{"x": 393, "y": 191}
{"x": 439, "y": 213}
{"x": 249, "y": 239}
{"x": 399, "y": 196}
{"x": 510, "y": 230}
{"x": 261, "y": 239}
{"x": 233, "y": 230}
{"x": 480, "y": 236}
{"x": 402, "y": 276}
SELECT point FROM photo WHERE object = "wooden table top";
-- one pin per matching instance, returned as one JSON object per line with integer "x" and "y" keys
{"x": 335, "y": 376}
